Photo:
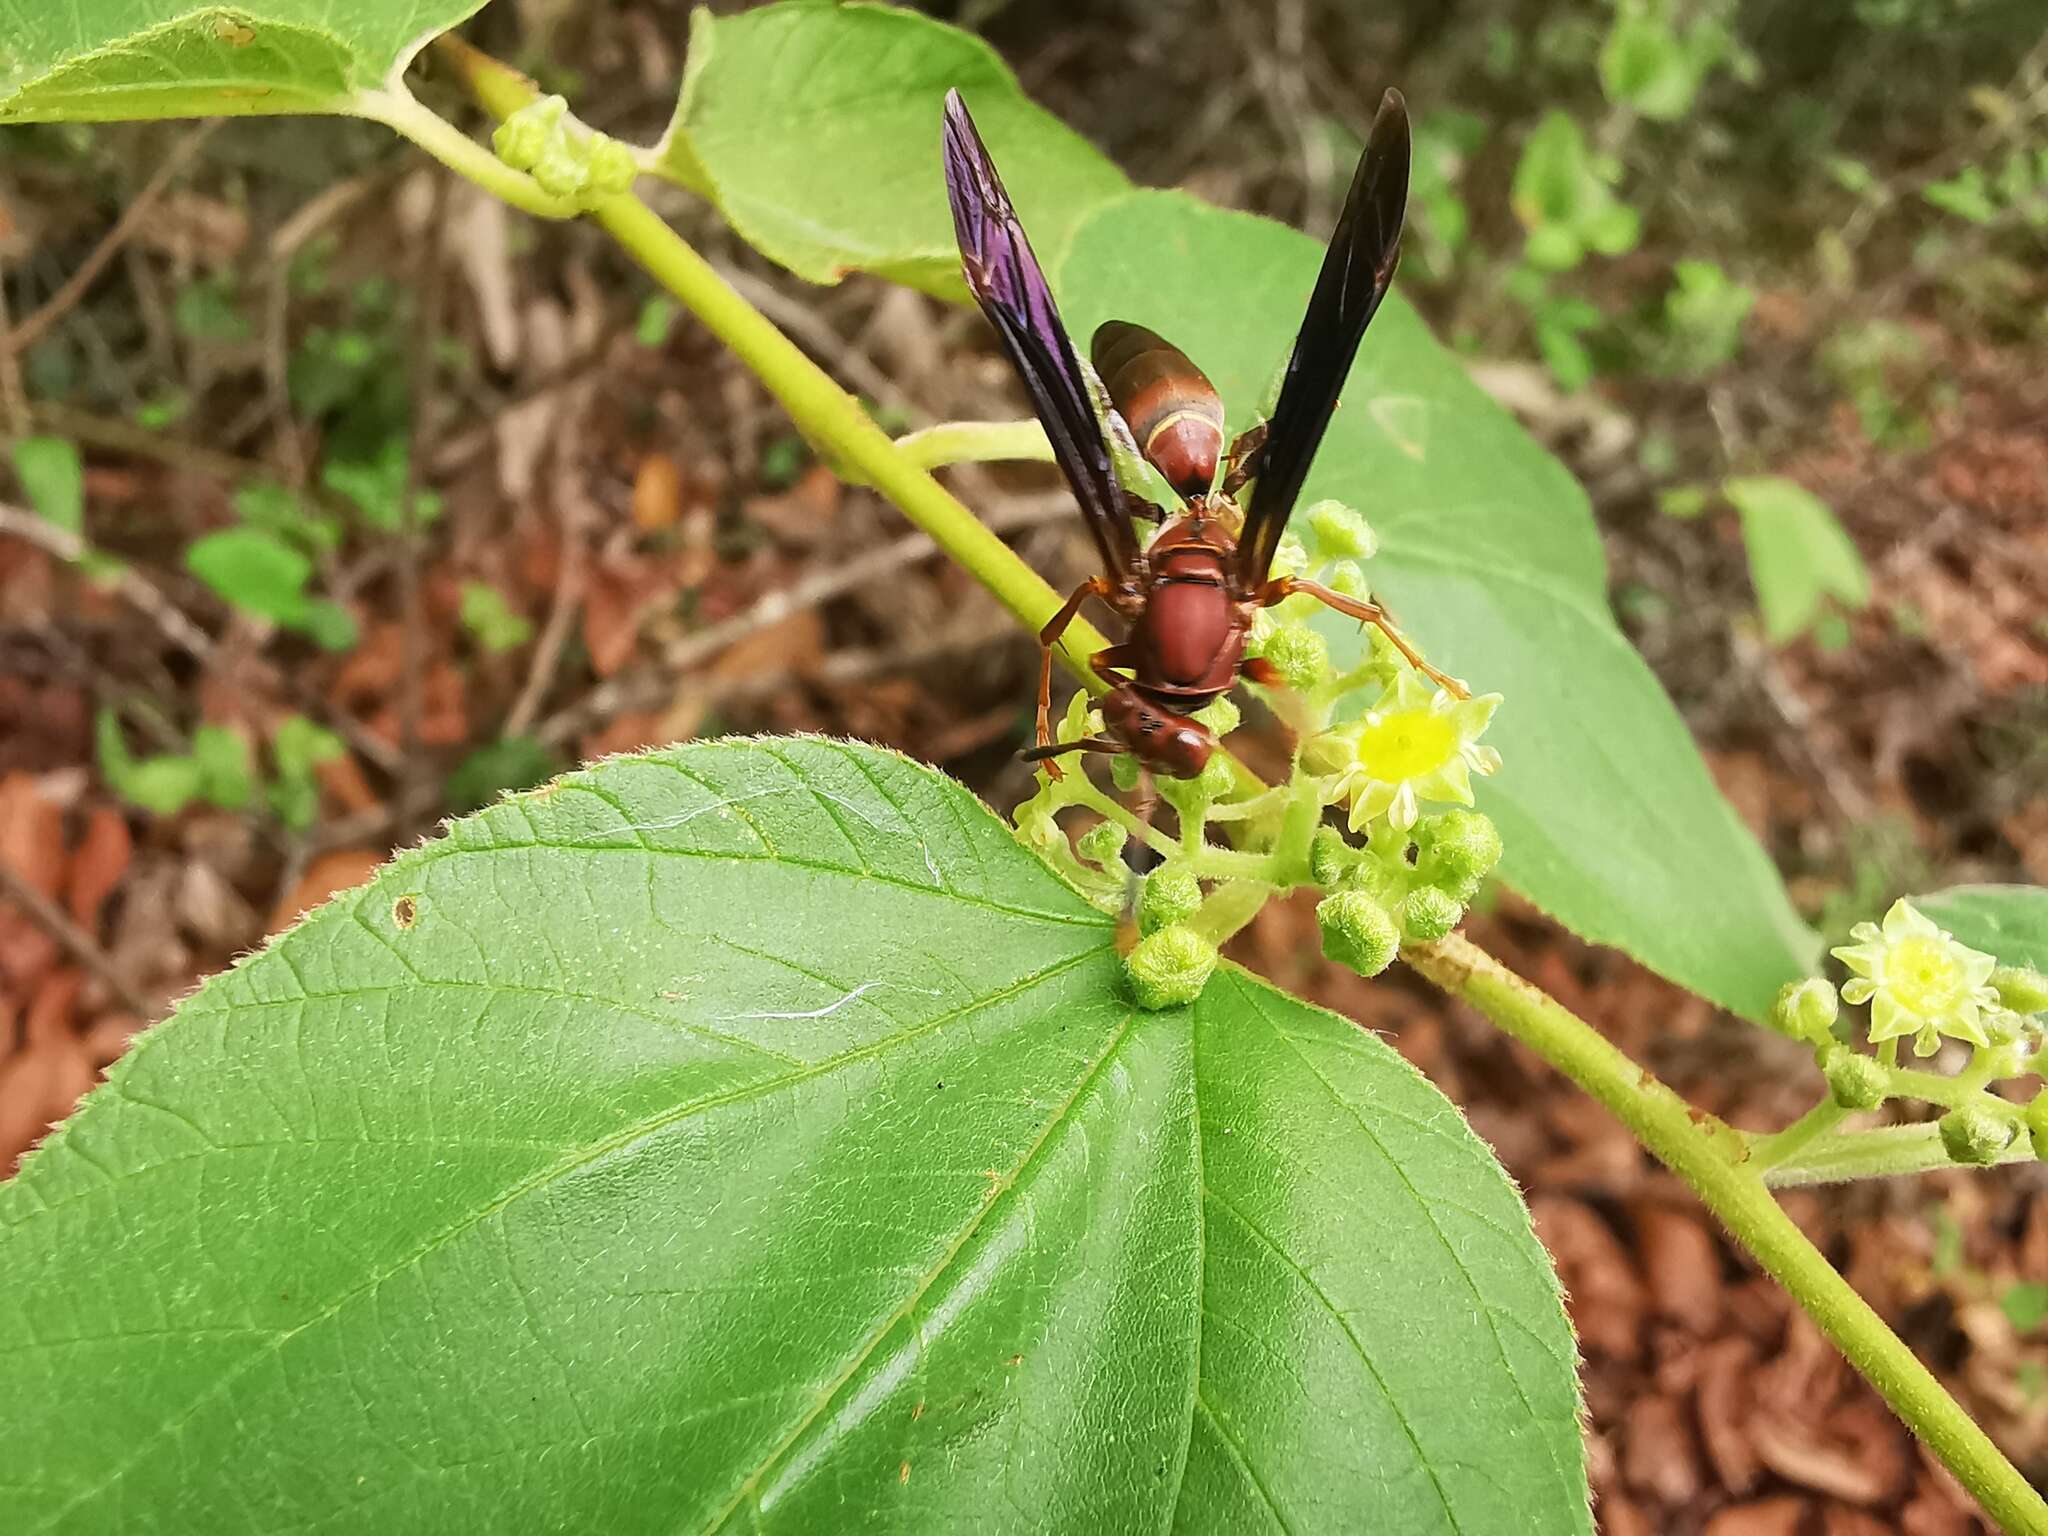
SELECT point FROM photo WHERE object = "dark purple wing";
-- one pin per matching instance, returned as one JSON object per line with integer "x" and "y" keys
{"x": 1007, "y": 282}
{"x": 1356, "y": 271}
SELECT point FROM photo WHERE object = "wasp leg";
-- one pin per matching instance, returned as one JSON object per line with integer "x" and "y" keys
{"x": 1284, "y": 587}
{"x": 1048, "y": 637}
{"x": 1244, "y": 459}
{"x": 1050, "y": 750}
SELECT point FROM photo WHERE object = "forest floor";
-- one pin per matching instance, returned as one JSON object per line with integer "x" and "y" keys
{"x": 663, "y": 560}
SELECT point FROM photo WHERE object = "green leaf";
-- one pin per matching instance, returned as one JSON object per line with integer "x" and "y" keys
{"x": 2009, "y": 921}
{"x": 1644, "y": 66}
{"x": 815, "y": 129}
{"x": 1966, "y": 195}
{"x": 511, "y": 762}
{"x": 1490, "y": 558}
{"x": 497, "y": 626}
{"x": 752, "y": 1136}
{"x": 225, "y": 777}
{"x": 377, "y": 487}
{"x": 1799, "y": 555}
{"x": 53, "y": 480}
{"x": 147, "y": 58}
{"x": 162, "y": 785}
{"x": 2026, "y": 1305}
{"x": 254, "y": 571}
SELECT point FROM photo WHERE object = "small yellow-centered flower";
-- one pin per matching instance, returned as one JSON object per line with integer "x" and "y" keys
{"x": 1917, "y": 980}
{"x": 1417, "y": 743}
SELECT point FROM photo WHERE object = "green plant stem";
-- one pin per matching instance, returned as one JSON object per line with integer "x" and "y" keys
{"x": 400, "y": 111}
{"x": 1770, "y": 1151}
{"x": 1884, "y": 1153}
{"x": 1712, "y": 1158}
{"x": 1705, "y": 1152}
{"x": 975, "y": 442}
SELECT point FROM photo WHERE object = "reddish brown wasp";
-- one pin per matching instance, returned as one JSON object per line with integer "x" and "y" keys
{"x": 1189, "y": 597}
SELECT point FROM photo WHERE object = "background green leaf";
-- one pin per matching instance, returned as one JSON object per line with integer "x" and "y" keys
{"x": 99, "y": 59}
{"x": 52, "y": 479}
{"x": 1799, "y": 555}
{"x": 815, "y": 128}
{"x": 2009, "y": 921}
{"x": 753, "y": 1135}
{"x": 1490, "y": 558}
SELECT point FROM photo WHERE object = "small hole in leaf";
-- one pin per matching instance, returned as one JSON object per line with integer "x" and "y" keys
{"x": 405, "y": 911}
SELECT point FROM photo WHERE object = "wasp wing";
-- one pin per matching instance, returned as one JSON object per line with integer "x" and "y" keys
{"x": 1008, "y": 283}
{"x": 1356, "y": 271}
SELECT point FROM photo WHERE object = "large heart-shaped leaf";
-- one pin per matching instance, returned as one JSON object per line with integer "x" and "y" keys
{"x": 815, "y": 128}
{"x": 753, "y": 1136}
{"x": 2009, "y": 921}
{"x": 1490, "y": 557}
{"x": 101, "y": 59}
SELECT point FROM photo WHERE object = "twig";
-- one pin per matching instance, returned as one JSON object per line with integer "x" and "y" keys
{"x": 426, "y": 340}
{"x": 13, "y": 398}
{"x": 60, "y": 303}
{"x": 57, "y": 923}
{"x": 134, "y": 587}
{"x": 569, "y": 581}
{"x": 645, "y": 686}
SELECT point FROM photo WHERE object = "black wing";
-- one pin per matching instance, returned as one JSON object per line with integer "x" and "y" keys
{"x": 1356, "y": 271}
{"x": 1007, "y": 282}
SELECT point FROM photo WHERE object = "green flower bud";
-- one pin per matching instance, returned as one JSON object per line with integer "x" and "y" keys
{"x": 612, "y": 165}
{"x": 1430, "y": 913}
{"x": 1217, "y": 777}
{"x": 2002, "y": 1027}
{"x": 1102, "y": 843}
{"x": 2021, "y": 989}
{"x": 1220, "y": 715}
{"x": 1123, "y": 771}
{"x": 1301, "y": 656}
{"x": 1358, "y": 932}
{"x": 1348, "y": 577}
{"x": 1458, "y": 849}
{"x": 2036, "y": 1117}
{"x": 1805, "y": 1010}
{"x": 1341, "y": 533}
{"x": 1169, "y": 896}
{"x": 1169, "y": 968}
{"x": 1974, "y": 1135}
{"x": 1856, "y": 1081}
{"x": 523, "y": 137}
{"x": 1291, "y": 558}
{"x": 562, "y": 169}
{"x": 1330, "y": 858}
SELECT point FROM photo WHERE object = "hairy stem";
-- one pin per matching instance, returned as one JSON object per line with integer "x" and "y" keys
{"x": 1884, "y": 1153}
{"x": 975, "y": 442}
{"x": 1770, "y": 1151}
{"x": 400, "y": 111}
{"x": 1712, "y": 1158}
{"x": 1708, "y": 1154}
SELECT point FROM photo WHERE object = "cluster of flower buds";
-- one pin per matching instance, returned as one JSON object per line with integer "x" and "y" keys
{"x": 1923, "y": 984}
{"x": 1393, "y": 872}
{"x": 568, "y": 159}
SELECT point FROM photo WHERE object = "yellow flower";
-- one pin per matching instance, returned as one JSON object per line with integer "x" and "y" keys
{"x": 1416, "y": 743}
{"x": 1917, "y": 980}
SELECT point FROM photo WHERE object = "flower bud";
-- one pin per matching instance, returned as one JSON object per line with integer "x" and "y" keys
{"x": 612, "y": 165}
{"x": 1169, "y": 968}
{"x": 1458, "y": 850}
{"x": 562, "y": 170}
{"x": 1341, "y": 534}
{"x": 1975, "y": 1135}
{"x": 1290, "y": 558}
{"x": 1169, "y": 896}
{"x": 1856, "y": 1081}
{"x": 1358, "y": 932}
{"x": 524, "y": 136}
{"x": 1429, "y": 913}
{"x": 1102, "y": 844}
{"x": 1348, "y": 577}
{"x": 1124, "y": 770}
{"x": 1330, "y": 858}
{"x": 1301, "y": 656}
{"x": 1805, "y": 1010}
{"x": 2021, "y": 988}
{"x": 2036, "y": 1117}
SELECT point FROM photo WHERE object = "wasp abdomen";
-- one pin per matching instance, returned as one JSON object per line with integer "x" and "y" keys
{"x": 1170, "y": 405}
